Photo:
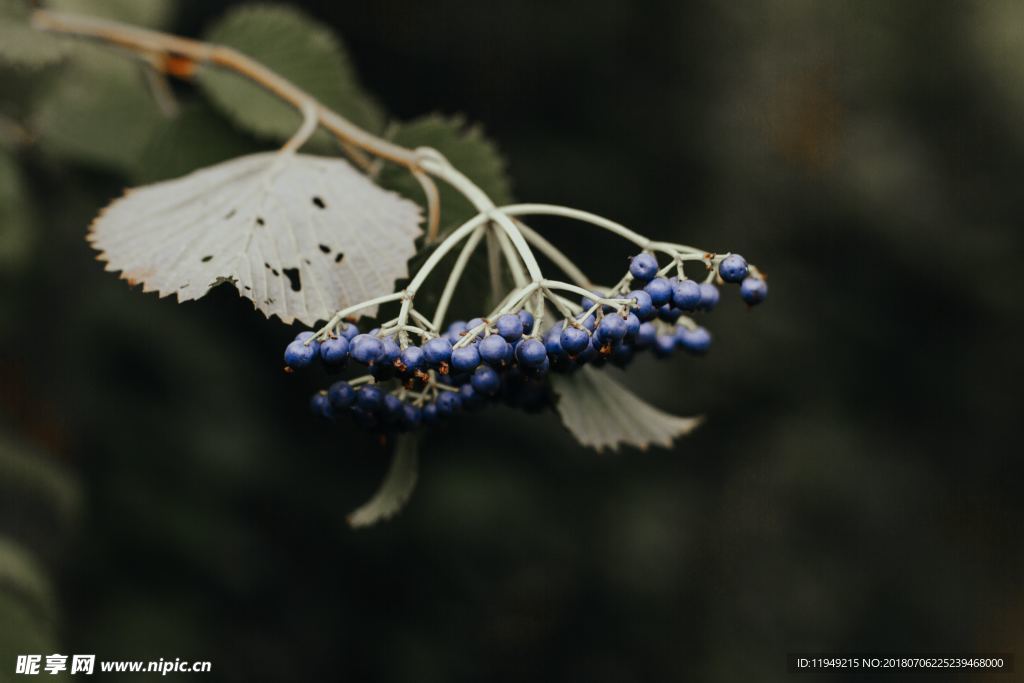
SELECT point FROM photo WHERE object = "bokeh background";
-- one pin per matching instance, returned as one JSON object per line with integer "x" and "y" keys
{"x": 856, "y": 486}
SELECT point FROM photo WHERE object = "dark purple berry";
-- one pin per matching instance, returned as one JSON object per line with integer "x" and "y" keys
{"x": 754, "y": 290}
{"x": 644, "y": 306}
{"x": 465, "y": 359}
{"x": 531, "y": 353}
{"x": 494, "y": 350}
{"x": 685, "y": 295}
{"x": 341, "y": 395}
{"x": 733, "y": 268}
{"x": 437, "y": 351}
{"x": 643, "y": 267}
{"x": 573, "y": 340}
{"x": 708, "y": 296}
{"x": 509, "y": 326}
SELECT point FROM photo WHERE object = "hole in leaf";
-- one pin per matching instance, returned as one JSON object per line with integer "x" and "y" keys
{"x": 272, "y": 269}
{"x": 337, "y": 259}
{"x": 230, "y": 214}
{"x": 206, "y": 259}
{"x": 294, "y": 278}
{"x": 324, "y": 248}
{"x": 319, "y": 203}
{"x": 260, "y": 221}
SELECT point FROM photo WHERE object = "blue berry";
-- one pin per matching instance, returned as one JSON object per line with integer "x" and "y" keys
{"x": 437, "y": 351}
{"x": 590, "y": 354}
{"x": 708, "y": 296}
{"x": 334, "y": 351}
{"x": 531, "y": 353}
{"x": 589, "y": 303}
{"x": 509, "y": 326}
{"x": 644, "y": 306}
{"x": 538, "y": 371}
{"x": 643, "y": 267}
{"x": 393, "y": 408}
{"x": 411, "y": 416}
{"x": 611, "y": 329}
{"x": 320, "y": 406}
{"x": 622, "y": 355}
{"x": 664, "y": 345}
{"x": 494, "y": 350}
{"x": 632, "y": 326}
{"x": 392, "y": 352}
{"x": 370, "y": 398}
{"x": 669, "y": 313}
{"x": 456, "y": 329}
{"x": 428, "y": 414}
{"x": 527, "y": 318}
{"x": 685, "y": 295}
{"x": 486, "y": 380}
{"x": 471, "y": 400}
{"x": 645, "y": 336}
{"x": 412, "y": 359}
{"x": 465, "y": 359}
{"x": 754, "y": 290}
{"x": 660, "y": 291}
{"x": 448, "y": 403}
{"x": 696, "y": 340}
{"x": 589, "y": 323}
{"x": 303, "y": 336}
{"x": 366, "y": 349}
{"x": 733, "y": 268}
{"x": 574, "y": 340}
{"x": 348, "y": 331}
{"x": 299, "y": 355}
{"x": 552, "y": 341}
{"x": 341, "y": 395}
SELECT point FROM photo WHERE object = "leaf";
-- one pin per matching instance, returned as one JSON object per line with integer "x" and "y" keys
{"x": 22, "y": 575}
{"x": 98, "y": 110}
{"x": 15, "y": 220}
{"x": 20, "y": 44}
{"x": 296, "y": 47}
{"x": 26, "y": 476}
{"x": 148, "y": 13}
{"x": 300, "y": 235}
{"x": 396, "y": 488}
{"x": 198, "y": 136}
{"x": 601, "y": 413}
{"x": 467, "y": 149}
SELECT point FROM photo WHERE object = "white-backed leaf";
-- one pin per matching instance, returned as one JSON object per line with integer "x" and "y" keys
{"x": 300, "y": 235}
{"x": 397, "y": 486}
{"x": 601, "y": 413}
{"x": 295, "y": 46}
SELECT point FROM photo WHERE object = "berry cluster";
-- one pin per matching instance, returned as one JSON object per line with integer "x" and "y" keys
{"x": 508, "y": 357}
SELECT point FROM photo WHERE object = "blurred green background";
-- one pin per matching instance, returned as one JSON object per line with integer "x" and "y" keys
{"x": 856, "y": 487}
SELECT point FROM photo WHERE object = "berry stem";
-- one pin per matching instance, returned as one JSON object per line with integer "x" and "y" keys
{"x": 453, "y": 279}
{"x": 552, "y": 252}
{"x": 152, "y": 44}
{"x": 325, "y": 331}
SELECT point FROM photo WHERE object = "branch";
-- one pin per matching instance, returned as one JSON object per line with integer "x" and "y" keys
{"x": 169, "y": 49}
